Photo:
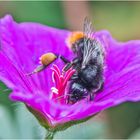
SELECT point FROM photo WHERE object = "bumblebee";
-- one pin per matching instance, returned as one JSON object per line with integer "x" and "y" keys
{"x": 88, "y": 63}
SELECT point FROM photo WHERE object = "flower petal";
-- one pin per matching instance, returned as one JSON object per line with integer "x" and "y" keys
{"x": 24, "y": 43}
{"x": 122, "y": 76}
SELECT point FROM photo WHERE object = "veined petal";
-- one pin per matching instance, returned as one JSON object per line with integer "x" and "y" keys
{"x": 23, "y": 43}
{"x": 122, "y": 74}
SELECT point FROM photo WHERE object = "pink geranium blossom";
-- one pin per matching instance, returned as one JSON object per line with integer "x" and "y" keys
{"x": 23, "y": 43}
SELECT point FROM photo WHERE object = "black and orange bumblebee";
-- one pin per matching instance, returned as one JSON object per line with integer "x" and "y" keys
{"x": 88, "y": 63}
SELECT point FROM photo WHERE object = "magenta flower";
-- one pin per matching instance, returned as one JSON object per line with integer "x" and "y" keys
{"x": 21, "y": 46}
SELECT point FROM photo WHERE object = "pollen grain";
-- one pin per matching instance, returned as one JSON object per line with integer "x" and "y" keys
{"x": 47, "y": 58}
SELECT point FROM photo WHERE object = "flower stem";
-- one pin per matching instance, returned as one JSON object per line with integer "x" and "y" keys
{"x": 50, "y": 135}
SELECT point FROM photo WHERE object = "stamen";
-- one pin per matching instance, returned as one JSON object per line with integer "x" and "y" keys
{"x": 54, "y": 90}
{"x": 60, "y": 80}
{"x": 53, "y": 77}
{"x": 57, "y": 69}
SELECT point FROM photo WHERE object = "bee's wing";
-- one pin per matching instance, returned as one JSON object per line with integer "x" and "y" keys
{"x": 92, "y": 50}
{"x": 88, "y": 28}
{"x": 88, "y": 32}
{"x": 91, "y": 45}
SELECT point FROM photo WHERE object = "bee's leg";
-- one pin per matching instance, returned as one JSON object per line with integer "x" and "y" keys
{"x": 37, "y": 69}
{"x": 101, "y": 87}
{"x": 65, "y": 60}
{"x": 74, "y": 76}
{"x": 91, "y": 96}
{"x": 68, "y": 66}
{"x": 45, "y": 60}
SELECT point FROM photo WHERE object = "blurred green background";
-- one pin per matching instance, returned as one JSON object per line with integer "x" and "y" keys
{"x": 122, "y": 20}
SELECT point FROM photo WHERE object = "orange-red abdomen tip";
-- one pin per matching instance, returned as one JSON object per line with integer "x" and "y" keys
{"x": 47, "y": 58}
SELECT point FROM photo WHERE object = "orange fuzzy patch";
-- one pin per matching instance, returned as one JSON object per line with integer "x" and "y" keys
{"x": 74, "y": 37}
{"x": 47, "y": 58}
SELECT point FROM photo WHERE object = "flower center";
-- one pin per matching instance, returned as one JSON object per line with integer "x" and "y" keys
{"x": 60, "y": 80}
